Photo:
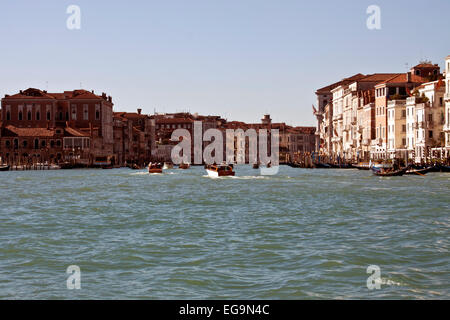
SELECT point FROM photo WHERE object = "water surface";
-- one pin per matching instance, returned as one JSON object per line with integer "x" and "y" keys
{"x": 302, "y": 234}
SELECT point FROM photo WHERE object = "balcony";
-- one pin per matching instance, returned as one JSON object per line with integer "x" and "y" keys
{"x": 379, "y": 141}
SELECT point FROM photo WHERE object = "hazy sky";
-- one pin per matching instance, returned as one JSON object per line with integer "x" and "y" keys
{"x": 236, "y": 58}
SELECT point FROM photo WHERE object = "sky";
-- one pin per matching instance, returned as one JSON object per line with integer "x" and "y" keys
{"x": 238, "y": 59}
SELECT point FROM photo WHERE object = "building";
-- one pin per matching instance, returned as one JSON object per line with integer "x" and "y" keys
{"x": 446, "y": 128}
{"x": 72, "y": 126}
{"x": 397, "y": 87}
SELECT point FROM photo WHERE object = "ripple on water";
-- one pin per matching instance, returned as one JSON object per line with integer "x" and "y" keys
{"x": 301, "y": 234}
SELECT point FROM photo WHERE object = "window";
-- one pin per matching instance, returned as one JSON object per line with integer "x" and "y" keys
{"x": 67, "y": 116}
{"x": 38, "y": 116}
{"x": 403, "y": 113}
{"x": 430, "y": 134}
{"x": 8, "y": 115}
{"x": 404, "y": 128}
{"x": 74, "y": 112}
{"x": 29, "y": 115}
{"x": 20, "y": 115}
{"x": 43, "y": 144}
{"x": 85, "y": 112}
{"x": 25, "y": 143}
{"x": 36, "y": 143}
{"x": 58, "y": 143}
{"x": 97, "y": 115}
{"x": 7, "y": 143}
{"x": 48, "y": 116}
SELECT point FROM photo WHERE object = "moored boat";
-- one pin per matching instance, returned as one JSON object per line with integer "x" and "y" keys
{"x": 4, "y": 167}
{"x": 255, "y": 166}
{"x": 388, "y": 172}
{"x": 362, "y": 166}
{"x": 168, "y": 165}
{"x": 222, "y": 170}
{"x": 155, "y": 167}
{"x": 321, "y": 165}
{"x": 418, "y": 171}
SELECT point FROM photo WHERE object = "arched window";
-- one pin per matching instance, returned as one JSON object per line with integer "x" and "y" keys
{"x": 97, "y": 115}
{"x": 20, "y": 115}
{"x": 29, "y": 115}
{"x": 25, "y": 143}
{"x": 52, "y": 143}
{"x": 67, "y": 115}
{"x": 43, "y": 143}
{"x": 48, "y": 116}
{"x": 8, "y": 115}
{"x": 16, "y": 143}
{"x": 38, "y": 116}
{"x": 60, "y": 115}
{"x": 36, "y": 143}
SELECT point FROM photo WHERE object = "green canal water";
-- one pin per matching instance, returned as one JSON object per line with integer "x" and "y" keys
{"x": 301, "y": 234}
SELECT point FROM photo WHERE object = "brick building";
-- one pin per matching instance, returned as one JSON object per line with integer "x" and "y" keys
{"x": 72, "y": 126}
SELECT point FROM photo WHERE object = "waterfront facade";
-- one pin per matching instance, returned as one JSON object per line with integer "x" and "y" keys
{"x": 386, "y": 116}
{"x": 38, "y": 126}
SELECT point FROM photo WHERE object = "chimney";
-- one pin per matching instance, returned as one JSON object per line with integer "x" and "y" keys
{"x": 139, "y": 110}
{"x": 408, "y": 76}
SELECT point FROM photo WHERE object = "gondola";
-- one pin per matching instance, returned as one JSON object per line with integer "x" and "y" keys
{"x": 4, "y": 167}
{"x": 389, "y": 172}
{"x": 418, "y": 171}
{"x": 321, "y": 165}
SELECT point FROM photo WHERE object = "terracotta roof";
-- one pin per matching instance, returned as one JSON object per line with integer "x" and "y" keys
{"x": 173, "y": 120}
{"x": 29, "y": 132}
{"x": 425, "y": 65}
{"x": 378, "y": 77}
{"x": 30, "y": 93}
{"x": 401, "y": 78}
{"x": 343, "y": 81}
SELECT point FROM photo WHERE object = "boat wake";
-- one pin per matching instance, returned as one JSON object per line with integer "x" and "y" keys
{"x": 238, "y": 178}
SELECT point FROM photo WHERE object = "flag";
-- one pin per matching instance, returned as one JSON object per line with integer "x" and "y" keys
{"x": 314, "y": 110}
{"x": 408, "y": 92}
{"x": 439, "y": 83}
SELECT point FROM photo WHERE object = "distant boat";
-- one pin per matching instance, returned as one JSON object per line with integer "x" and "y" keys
{"x": 362, "y": 166}
{"x": 168, "y": 165}
{"x": 321, "y": 165}
{"x": 4, "y": 167}
{"x": 389, "y": 172}
{"x": 222, "y": 170}
{"x": 184, "y": 166}
{"x": 256, "y": 165}
{"x": 154, "y": 167}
